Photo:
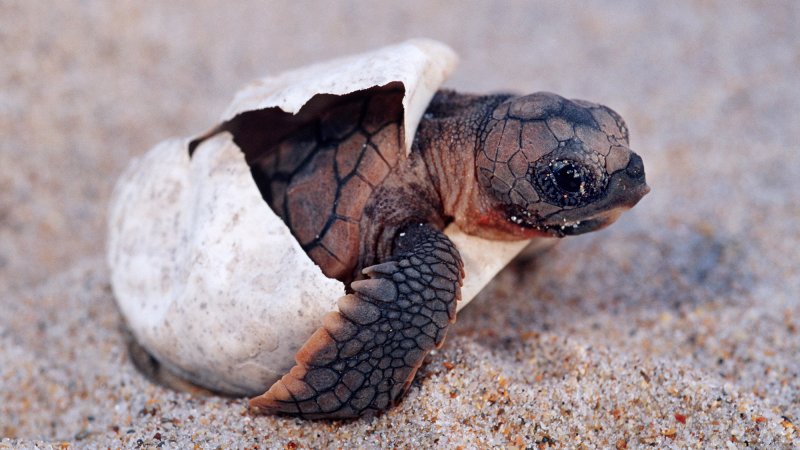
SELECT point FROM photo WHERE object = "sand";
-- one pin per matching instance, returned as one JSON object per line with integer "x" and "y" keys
{"x": 678, "y": 327}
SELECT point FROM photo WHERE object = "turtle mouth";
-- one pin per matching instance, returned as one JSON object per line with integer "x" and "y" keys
{"x": 577, "y": 227}
{"x": 560, "y": 227}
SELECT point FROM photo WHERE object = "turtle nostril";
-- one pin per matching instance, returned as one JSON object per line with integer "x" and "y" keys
{"x": 635, "y": 168}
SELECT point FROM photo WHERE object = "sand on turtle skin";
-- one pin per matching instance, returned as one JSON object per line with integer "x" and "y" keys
{"x": 678, "y": 327}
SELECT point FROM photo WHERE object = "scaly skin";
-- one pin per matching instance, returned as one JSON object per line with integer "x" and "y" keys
{"x": 363, "y": 358}
{"x": 501, "y": 167}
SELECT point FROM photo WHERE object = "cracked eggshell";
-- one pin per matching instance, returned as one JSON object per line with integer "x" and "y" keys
{"x": 209, "y": 279}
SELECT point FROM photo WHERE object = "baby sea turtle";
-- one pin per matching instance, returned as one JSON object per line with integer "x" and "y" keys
{"x": 501, "y": 167}
{"x": 371, "y": 212}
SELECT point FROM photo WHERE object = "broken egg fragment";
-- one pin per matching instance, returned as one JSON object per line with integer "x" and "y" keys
{"x": 209, "y": 280}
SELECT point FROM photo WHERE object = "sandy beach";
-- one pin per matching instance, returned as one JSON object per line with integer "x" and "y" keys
{"x": 677, "y": 327}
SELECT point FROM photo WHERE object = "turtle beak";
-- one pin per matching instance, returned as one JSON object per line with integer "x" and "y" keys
{"x": 631, "y": 185}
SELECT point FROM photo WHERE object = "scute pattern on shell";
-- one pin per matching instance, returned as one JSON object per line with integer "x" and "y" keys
{"x": 319, "y": 176}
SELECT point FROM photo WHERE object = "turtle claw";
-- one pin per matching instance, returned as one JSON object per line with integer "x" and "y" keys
{"x": 379, "y": 289}
{"x": 387, "y": 268}
{"x": 364, "y": 357}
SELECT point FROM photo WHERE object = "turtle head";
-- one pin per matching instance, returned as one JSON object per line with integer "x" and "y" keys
{"x": 555, "y": 167}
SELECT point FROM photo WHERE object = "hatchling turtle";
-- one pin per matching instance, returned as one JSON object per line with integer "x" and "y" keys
{"x": 370, "y": 209}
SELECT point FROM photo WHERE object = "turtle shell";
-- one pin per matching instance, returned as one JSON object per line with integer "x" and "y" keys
{"x": 317, "y": 168}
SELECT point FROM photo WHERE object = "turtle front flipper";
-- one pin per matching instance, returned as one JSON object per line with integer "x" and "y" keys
{"x": 364, "y": 357}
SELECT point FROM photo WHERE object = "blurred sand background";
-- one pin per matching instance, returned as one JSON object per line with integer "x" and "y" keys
{"x": 675, "y": 328}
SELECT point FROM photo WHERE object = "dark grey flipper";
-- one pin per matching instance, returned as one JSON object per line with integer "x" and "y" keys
{"x": 364, "y": 357}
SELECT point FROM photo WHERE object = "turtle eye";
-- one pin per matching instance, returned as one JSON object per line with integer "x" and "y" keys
{"x": 566, "y": 182}
{"x": 568, "y": 177}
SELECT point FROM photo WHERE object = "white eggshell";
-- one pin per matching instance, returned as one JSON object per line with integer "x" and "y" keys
{"x": 421, "y": 65}
{"x": 209, "y": 279}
